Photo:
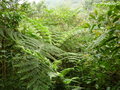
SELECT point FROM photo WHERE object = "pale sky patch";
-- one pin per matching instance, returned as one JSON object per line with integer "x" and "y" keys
{"x": 54, "y": 3}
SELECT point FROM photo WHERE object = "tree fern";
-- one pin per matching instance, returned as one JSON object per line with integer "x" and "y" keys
{"x": 31, "y": 65}
{"x": 35, "y": 29}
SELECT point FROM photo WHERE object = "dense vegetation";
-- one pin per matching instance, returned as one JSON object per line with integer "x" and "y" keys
{"x": 60, "y": 48}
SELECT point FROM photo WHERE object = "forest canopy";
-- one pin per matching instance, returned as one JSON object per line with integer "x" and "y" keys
{"x": 60, "y": 48}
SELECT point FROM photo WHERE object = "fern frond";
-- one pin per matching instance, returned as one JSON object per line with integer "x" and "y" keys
{"x": 33, "y": 70}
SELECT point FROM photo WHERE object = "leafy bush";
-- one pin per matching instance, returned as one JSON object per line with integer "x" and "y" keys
{"x": 61, "y": 48}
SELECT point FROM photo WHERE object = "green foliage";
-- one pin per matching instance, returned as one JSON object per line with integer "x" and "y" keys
{"x": 61, "y": 48}
{"x": 20, "y": 59}
{"x": 96, "y": 64}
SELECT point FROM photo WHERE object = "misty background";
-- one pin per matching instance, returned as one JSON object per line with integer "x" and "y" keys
{"x": 60, "y": 3}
